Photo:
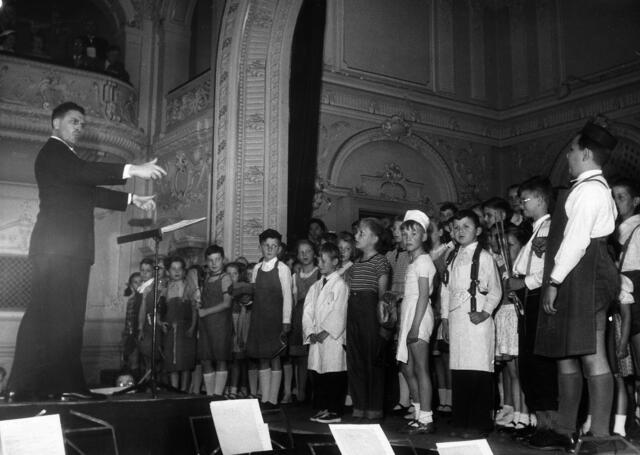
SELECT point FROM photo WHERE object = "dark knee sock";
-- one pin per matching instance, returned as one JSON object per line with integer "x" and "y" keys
{"x": 600, "y": 402}
{"x": 569, "y": 394}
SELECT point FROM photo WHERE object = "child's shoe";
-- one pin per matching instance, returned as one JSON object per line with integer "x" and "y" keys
{"x": 319, "y": 414}
{"x": 329, "y": 417}
{"x": 505, "y": 416}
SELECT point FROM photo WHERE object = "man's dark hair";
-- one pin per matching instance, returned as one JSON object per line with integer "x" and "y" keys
{"x": 213, "y": 249}
{"x": 269, "y": 234}
{"x": 600, "y": 154}
{"x": 538, "y": 185}
{"x": 62, "y": 109}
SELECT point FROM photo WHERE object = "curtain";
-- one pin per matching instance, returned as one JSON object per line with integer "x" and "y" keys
{"x": 304, "y": 101}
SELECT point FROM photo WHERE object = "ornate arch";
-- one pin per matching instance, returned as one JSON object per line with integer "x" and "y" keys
{"x": 251, "y": 113}
{"x": 412, "y": 141}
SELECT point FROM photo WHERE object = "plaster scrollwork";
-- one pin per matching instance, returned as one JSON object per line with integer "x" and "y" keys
{"x": 186, "y": 182}
{"x": 329, "y": 135}
{"x": 395, "y": 127}
{"x": 188, "y": 101}
{"x": 321, "y": 198}
{"x": 470, "y": 169}
{"x": 254, "y": 174}
{"x": 256, "y": 68}
{"x": 146, "y": 9}
{"x": 39, "y": 85}
{"x": 392, "y": 174}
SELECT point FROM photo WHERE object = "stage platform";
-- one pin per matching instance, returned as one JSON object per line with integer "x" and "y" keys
{"x": 180, "y": 424}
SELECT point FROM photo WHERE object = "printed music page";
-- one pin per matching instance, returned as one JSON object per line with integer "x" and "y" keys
{"x": 361, "y": 440}
{"x": 32, "y": 436}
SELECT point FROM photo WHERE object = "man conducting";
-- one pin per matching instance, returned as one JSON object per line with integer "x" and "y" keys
{"x": 47, "y": 360}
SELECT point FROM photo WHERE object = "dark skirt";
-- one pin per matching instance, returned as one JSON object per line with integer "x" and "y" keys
{"x": 265, "y": 339}
{"x": 296, "y": 348}
{"x": 365, "y": 355}
{"x": 582, "y": 303}
{"x": 179, "y": 348}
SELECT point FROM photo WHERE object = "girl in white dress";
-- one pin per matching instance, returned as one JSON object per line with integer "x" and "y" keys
{"x": 416, "y": 321}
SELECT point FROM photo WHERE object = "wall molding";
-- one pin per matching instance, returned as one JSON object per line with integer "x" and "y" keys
{"x": 345, "y": 96}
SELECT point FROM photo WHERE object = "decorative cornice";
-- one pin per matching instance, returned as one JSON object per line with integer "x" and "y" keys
{"x": 373, "y": 102}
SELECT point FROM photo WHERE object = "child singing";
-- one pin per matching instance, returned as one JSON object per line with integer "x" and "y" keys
{"x": 471, "y": 291}
{"x": 323, "y": 323}
{"x": 416, "y": 321}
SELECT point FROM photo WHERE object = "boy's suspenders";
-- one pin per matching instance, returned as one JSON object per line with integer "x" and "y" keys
{"x": 625, "y": 247}
{"x": 473, "y": 285}
{"x": 475, "y": 265}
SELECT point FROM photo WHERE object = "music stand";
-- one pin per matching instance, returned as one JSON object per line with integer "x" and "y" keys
{"x": 151, "y": 380}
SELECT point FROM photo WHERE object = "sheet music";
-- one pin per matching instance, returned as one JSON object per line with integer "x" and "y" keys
{"x": 181, "y": 224}
{"x": 361, "y": 439}
{"x": 32, "y": 436}
{"x": 240, "y": 427}
{"x": 472, "y": 447}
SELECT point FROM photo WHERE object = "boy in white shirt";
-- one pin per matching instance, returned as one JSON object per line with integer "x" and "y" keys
{"x": 323, "y": 329}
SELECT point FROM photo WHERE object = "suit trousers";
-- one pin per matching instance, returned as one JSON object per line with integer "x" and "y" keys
{"x": 49, "y": 343}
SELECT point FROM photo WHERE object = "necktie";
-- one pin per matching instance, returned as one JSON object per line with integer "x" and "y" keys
{"x": 324, "y": 281}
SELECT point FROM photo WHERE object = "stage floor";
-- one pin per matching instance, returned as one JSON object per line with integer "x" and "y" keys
{"x": 180, "y": 424}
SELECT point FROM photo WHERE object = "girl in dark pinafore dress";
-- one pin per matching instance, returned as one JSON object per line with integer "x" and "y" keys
{"x": 179, "y": 345}
{"x": 298, "y": 353}
{"x": 270, "y": 316}
{"x": 216, "y": 324}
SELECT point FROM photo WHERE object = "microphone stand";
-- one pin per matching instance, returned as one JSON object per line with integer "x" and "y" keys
{"x": 150, "y": 379}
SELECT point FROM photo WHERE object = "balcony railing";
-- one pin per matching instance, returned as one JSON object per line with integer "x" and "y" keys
{"x": 30, "y": 89}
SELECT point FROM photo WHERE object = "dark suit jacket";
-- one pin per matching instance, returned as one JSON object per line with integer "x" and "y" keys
{"x": 69, "y": 191}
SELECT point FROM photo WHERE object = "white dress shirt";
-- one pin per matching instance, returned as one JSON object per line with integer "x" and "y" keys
{"x": 532, "y": 271}
{"x": 285, "y": 281}
{"x": 591, "y": 213}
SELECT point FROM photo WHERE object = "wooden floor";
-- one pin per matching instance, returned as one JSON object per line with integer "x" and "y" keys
{"x": 181, "y": 424}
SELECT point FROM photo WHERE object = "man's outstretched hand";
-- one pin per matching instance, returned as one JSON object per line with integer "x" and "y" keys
{"x": 148, "y": 170}
{"x": 144, "y": 202}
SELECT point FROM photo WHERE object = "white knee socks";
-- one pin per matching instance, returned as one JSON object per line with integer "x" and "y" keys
{"x": 276, "y": 379}
{"x": 209, "y": 382}
{"x": 253, "y": 382}
{"x": 265, "y": 383}
{"x": 221, "y": 381}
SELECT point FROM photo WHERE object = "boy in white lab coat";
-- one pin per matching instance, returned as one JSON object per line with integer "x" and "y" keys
{"x": 468, "y": 327}
{"x": 323, "y": 329}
